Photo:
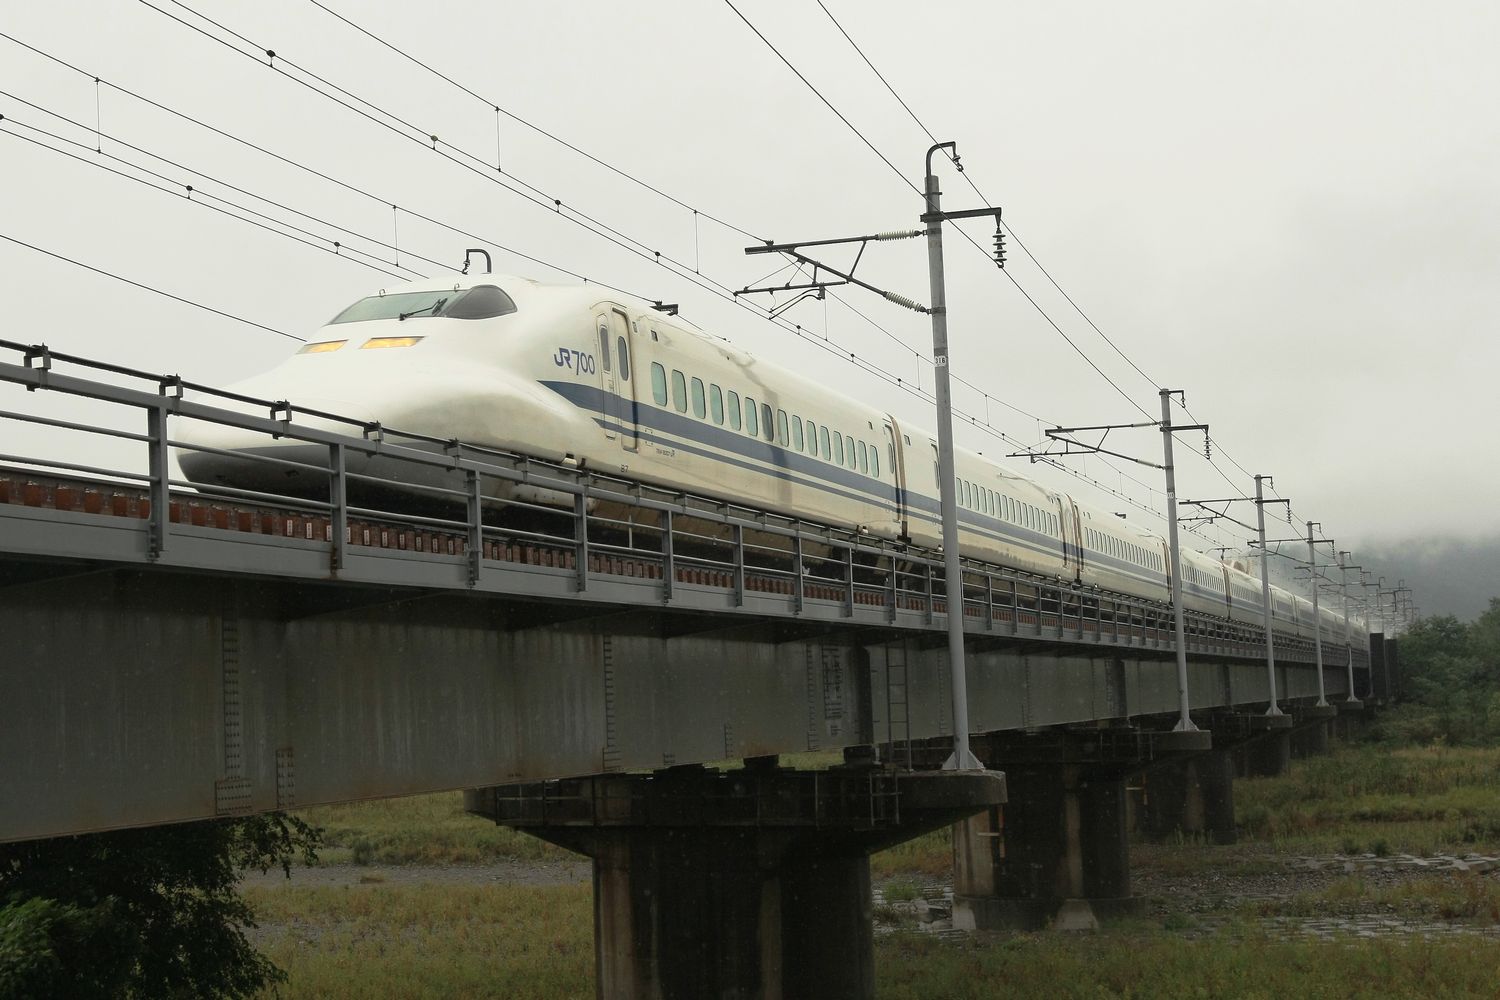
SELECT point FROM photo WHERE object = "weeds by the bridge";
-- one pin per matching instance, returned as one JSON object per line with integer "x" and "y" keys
{"x": 1378, "y": 799}
{"x": 420, "y": 829}
{"x": 399, "y": 939}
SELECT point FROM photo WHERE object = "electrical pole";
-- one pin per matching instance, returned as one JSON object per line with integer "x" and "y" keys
{"x": 1312, "y": 556}
{"x": 933, "y": 217}
{"x": 1184, "y": 721}
{"x": 1344, "y": 567}
{"x": 1265, "y": 592}
{"x": 1065, "y": 435}
{"x": 962, "y": 759}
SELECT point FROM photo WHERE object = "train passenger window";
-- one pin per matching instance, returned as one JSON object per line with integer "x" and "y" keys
{"x": 838, "y": 448}
{"x": 624, "y": 352}
{"x": 797, "y": 440}
{"x": 768, "y": 421}
{"x": 604, "y": 346}
{"x": 752, "y": 418}
{"x": 812, "y": 439}
{"x": 874, "y": 461}
{"x": 715, "y": 404}
{"x": 734, "y": 410}
{"x": 850, "y": 453}
{"x": 679, "y": 391}
{"x": 823, "y": 441}
{"x": 698, "y": 407}
{"x": 864, "y": 458}
{"x": 781, "y": 435}
{"x": 658, "y": 383}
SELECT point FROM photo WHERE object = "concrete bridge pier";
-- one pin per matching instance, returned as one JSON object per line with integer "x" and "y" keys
{"x": 1312, "y": 730}
{"x": 1193, "y": 795}
{"x": 1261, "y": 745}
{"x": 1058, "y": 854}
{"x": 751, "y": 885}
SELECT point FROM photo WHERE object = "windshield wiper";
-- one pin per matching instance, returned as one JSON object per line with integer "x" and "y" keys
{"x": 425, "y": 309}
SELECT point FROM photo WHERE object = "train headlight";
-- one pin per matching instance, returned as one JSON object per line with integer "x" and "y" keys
{"x": 323, "y": 347}
{"x": 379, "y": 342}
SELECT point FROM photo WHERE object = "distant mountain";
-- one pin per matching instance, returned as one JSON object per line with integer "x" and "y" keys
{"x": 1448, "y": 576}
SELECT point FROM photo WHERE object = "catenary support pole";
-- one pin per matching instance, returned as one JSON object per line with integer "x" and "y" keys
{"x": 962, "y": 759}
{"x": 1185, "y": 719}
{"x": 1348, "y": 647}
{"x": 1265, "y": 594}
{"x": 1312, "y": 560}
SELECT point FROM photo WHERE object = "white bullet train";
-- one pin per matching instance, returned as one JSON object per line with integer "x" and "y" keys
{"x": 581, "y": 373}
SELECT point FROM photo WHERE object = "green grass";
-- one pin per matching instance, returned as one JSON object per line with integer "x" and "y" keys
{"x": 401, "y": 940}
{"x": 1367, "y": 798}
{"x": 1467, "y": 898}
{"x": 429, "y": 941}
{"x": 1130, "y": 966}
{"x": 523, "y": 943}
{"x": 420, "y": 829}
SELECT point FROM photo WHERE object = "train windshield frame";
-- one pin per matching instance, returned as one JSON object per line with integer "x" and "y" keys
{"x": 478, "y": 302}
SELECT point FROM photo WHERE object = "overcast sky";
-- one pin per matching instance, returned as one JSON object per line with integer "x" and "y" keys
{"x": 1289, "y": 210}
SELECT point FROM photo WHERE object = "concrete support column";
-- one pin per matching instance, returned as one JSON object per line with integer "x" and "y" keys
{"x": 725, "y": 913}
{"x": 1270, "y": 755}
{"x": 1194, "y": 796}
{"x": 1311, "y": 740}
{"x": 750, "y": 885}
{"x": 1056, "y": 855}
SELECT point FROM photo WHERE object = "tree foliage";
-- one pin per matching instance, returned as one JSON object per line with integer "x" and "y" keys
{"x": 1450, "y": 680}
{"x": 141, "y": 913}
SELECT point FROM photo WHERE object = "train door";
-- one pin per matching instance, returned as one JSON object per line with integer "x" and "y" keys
{"x": 616, "y": 377}
{"x": 625, "y": 380}
{"x": 896, "y": 459}
{"x": 1077, "y": 525}
{"x": 608, "y": 384}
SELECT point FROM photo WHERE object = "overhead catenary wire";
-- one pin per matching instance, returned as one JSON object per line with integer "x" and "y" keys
{"x": 203, "y": 198}
{"x": 151, "y": 288}
{"x": 1009, "y": 229}
{"x": 837, "y": 350}
{"x": 500, "y": 110}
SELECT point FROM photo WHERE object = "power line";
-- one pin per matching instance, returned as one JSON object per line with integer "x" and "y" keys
{"x": 968, "y": 177}
{"x": 863, "y": 138}
{"x": 295, "y": 164}
{"x": 531, "y": 125}
{"x": 150, "y": 288}
{"x": 825, "y": 344}
{"x": 202, "y": 198}
{"x": 894, "y": 169}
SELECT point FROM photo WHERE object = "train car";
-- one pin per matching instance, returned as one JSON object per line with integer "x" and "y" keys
{"x": 1204, "y": 588}
{"x": 1119, "y": 557}
{"x": 584, "y": 375}
{"x": 1245, "y": 597}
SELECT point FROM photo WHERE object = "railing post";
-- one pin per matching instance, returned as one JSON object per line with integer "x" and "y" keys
{"x": 668, "y": 566}
{"x": 797, "y": 591}
{"x": 476, "y": 526}
{"x": 895, "y": 588}
{"x": 927, "y": 581}
{"x": 159, "y": 468}
{"x": 989, "y": 603}
{"x": 739, "y": 566}
{"x": 338, "y": 501}
{"x": 848, "y": 579}
{"x": 581, "y": 534}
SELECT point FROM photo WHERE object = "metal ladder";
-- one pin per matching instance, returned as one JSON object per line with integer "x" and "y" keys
{"x": 897, "y": 705}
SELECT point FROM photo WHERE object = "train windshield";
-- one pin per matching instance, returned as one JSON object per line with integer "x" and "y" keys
{"x": 479, "y": 302}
